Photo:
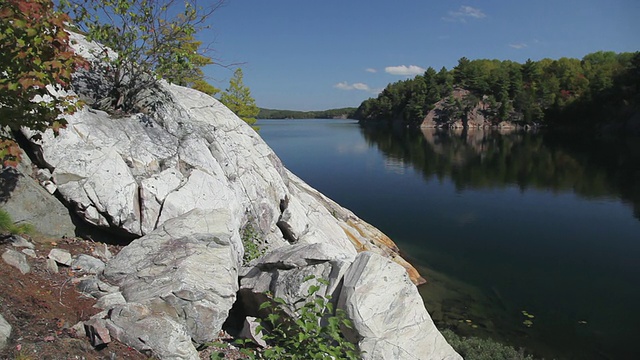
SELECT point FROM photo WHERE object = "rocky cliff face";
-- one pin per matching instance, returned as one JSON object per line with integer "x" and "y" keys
{"x": 475, "y": 115}
{"x": 184, "y": 180}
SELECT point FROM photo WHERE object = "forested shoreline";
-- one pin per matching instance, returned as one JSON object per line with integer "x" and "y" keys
{"x": 341, "y": 113}
{"x": 600, "y": 89}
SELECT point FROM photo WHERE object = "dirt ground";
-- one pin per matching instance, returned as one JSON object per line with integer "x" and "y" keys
{"x": 42, "y": 308}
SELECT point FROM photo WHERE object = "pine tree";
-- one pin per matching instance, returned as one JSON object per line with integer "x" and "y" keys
{"x": 237, "y": 97}
{"x": 184, "y": 68}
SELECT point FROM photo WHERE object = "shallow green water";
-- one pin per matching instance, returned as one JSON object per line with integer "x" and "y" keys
{"x": 498, "y": 223}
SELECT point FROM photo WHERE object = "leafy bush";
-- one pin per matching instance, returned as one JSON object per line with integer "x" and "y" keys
{"x": 250, "y": 242}
{"x": 152, "y": 38}
{"x": 313, "y": 332}
{"x": 473, "y": 348}
{"x": 35, "y": 58}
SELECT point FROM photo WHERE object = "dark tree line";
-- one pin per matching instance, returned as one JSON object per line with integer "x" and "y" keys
{"x": 293, "y": 114}
{"x": 602, "y": 87}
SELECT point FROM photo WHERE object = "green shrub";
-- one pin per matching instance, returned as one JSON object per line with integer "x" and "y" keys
{"x": 251, "y": 244}
{"x": 152, "y": 38}
{"x": 7, "y": 225}
{"x": 473, "y": 348}
{"x": 313, "y": 332}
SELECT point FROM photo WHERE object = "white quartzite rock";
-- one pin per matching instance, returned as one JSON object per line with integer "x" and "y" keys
{"x": 30, "y": 203}
{"x": 5, "y": 332}
{"x": 187, "y": 176}
{"x": 179, "y": 282}
{"x": 88, "y": 264}
{"x": 19, "y": 242}
{"x": 17, "y": 260}
{"x": 282, "y": 272}
{"x": 30, "y": 253}
{"x": 60, "y": 256}
{"x": 388, "y": 314}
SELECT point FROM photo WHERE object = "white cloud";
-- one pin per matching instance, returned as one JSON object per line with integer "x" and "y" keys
{"x": 361, "y": 86}
{"x": 355, "y": 86}
{"x": 371, "y": 70}
{"x": 518, "y": 46}
{"x": 463, "y": 13}
{"x": 404, "y": 70}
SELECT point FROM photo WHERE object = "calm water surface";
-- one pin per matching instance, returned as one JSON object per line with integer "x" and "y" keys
{"x": 498, "y": 223}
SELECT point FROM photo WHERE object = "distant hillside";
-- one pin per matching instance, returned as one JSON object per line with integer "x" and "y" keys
{"x": 343, "y": 113}
{"x": 600, "y": 88}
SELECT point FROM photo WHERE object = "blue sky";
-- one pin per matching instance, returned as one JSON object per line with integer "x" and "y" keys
{"x": 315, "y": 55}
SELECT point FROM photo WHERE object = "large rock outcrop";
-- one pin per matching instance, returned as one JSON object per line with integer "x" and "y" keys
{"x": 386, "y": 309}
{"x": 475, "y": 117}
{"x": 184, "y": 179}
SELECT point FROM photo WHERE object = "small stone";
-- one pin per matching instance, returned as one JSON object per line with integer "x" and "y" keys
{"x": 97, "y": 332}
{"x": 104, "y": 287}
{"x": 5, "y": 332}
{"x": 102, "y": 251}
{"x": 249, "y": 331}
{"x": 17, "y": 260}
{"x": 18, "y": 241}
{"x": 87, "y": 264}
{"x": 30, "y": 253}
{"x": 78, "y": 329}
{"x": 52, "y": 266}
{"x": 43, "y": 175}
{"x": 49, "y": 339}
{"x": 49, "y": 186}
{"x": 89, "y": 286}
{"x": 60, "y": 256}
{"x": 110, "y": 300}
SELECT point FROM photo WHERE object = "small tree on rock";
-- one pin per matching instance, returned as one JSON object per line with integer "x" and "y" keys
{"x": 237, "y": 97}
{"x": 188, "y": 73}
{"x": 147, "y": 36}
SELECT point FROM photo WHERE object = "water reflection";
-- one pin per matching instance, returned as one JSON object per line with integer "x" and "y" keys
{"x": 502, "y": 223}
{"x": 590, "y": 166}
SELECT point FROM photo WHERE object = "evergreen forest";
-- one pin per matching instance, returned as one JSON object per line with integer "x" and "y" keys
{"x": 601, "y": 88}
{"x": 341, "y": 113}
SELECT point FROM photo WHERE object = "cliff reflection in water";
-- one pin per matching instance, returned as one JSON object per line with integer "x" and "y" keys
{"x": 591, "y": 166}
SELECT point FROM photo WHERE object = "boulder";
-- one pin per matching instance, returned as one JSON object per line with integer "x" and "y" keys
{"x": 87, "y": 263}
{"x": 52, "y": 266}
{"x": 388, "y": 314}
{"x": 28, "y": 202}
{"x": 17, "y": 260}
{"x": 30, "y": 253}
{"x": 161, "y": 333}
{"x": 60, "y": 256}
{"x": 184, "y": 275}
{"x": 110, "y": 300}
{"x": 20, "y": 242}
{"x": 250, "y": 331}
{"x": 97, "y": 332}
{"x": 288, "y": 273}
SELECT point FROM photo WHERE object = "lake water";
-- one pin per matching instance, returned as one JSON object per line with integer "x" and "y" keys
{"x": 501, "y": 225}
